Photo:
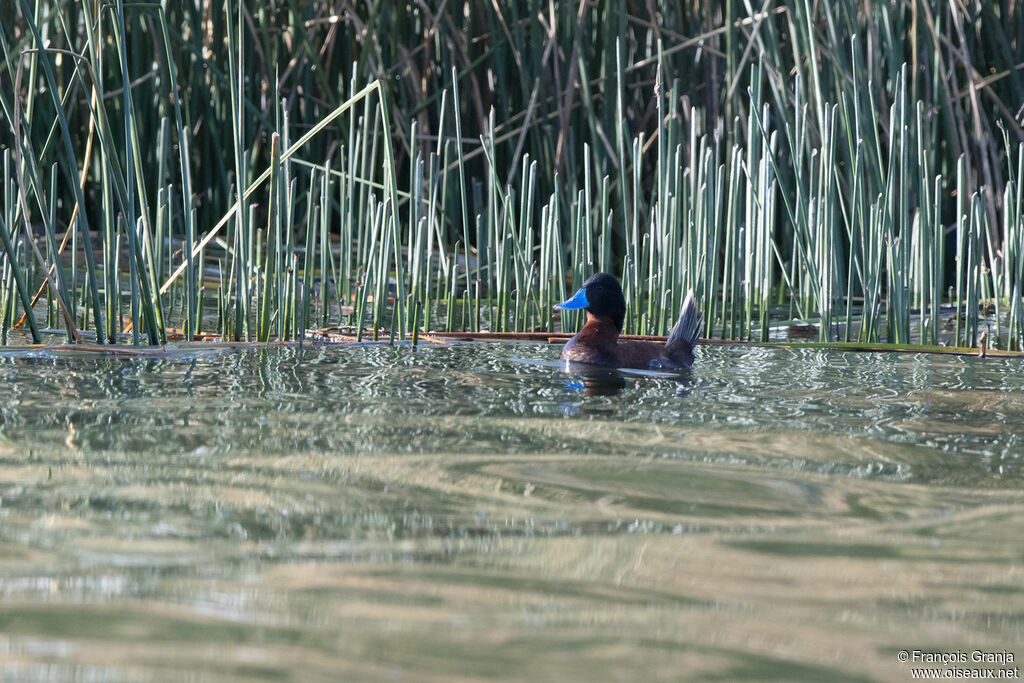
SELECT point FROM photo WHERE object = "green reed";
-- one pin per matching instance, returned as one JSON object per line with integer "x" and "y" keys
{"x": 188, "y": 170}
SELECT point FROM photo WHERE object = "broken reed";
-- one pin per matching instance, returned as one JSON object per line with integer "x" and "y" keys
{"x": 834, "y": 211}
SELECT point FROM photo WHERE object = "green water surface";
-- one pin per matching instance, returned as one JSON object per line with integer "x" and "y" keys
{"x": 473, "y": 512}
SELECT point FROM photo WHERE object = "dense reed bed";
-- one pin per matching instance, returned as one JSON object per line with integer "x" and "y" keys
{"x": 264, "y": 170}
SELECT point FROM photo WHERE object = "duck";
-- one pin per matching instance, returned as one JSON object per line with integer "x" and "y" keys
{"x": 598, "y": 342}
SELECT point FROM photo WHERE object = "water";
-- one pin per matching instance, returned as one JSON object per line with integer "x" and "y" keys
{"x": 472, "y": 512}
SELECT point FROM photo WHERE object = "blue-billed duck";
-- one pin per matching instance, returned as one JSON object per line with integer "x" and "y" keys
{"x": 598, "y": 342}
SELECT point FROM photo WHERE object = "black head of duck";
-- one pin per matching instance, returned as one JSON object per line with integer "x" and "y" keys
{"x": 598, "y": 342}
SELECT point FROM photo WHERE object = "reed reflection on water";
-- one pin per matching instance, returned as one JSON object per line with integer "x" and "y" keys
{"x": 479, "y": 511}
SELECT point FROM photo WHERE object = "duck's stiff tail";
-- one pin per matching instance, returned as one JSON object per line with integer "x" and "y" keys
{"x": 682, "y": 340}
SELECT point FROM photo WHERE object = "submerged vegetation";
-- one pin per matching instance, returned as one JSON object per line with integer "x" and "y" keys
{"x": 263, "y": 170}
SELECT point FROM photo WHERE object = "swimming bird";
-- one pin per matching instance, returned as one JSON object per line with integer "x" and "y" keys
{"x": 598, "y": 342}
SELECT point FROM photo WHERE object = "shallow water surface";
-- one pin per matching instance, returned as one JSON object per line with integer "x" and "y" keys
{"x": 474, "y": 512}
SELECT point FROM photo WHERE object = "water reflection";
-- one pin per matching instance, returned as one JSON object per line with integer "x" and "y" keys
{"x": 593, "y": 381}
{"x": 478, "y": 511}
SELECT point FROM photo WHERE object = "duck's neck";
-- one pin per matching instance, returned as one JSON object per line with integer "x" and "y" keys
{"x": 602, "y": 324}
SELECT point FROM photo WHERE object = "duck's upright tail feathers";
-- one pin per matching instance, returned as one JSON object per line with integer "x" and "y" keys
{"x": 682, "y": 340}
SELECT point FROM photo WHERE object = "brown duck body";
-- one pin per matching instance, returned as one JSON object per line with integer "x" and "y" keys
{"x": 598, "y": 344}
